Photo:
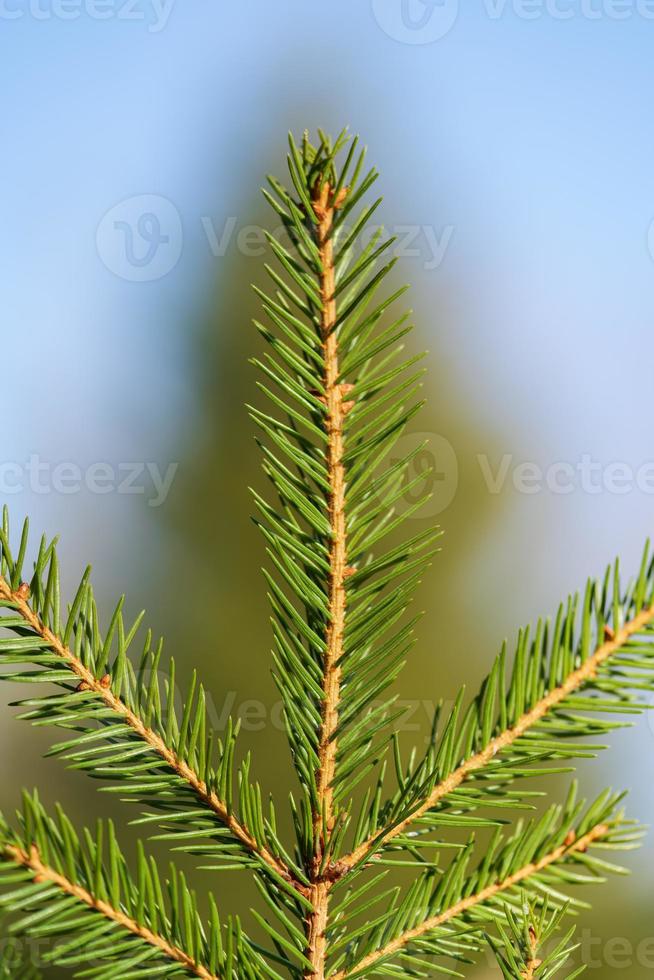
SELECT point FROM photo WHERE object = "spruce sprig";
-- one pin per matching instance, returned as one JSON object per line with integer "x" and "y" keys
{"x": 341, "y": 576}
{"x": 520, "y": 947}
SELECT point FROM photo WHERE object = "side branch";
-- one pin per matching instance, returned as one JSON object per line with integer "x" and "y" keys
{"x": 579, "y": 846}
{"x": 102, "y": 688}
{"x": 576, "y": 680}
{"x": 43, "y": 873}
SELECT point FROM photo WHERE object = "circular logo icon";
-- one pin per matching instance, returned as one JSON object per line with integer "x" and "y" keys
{"x": 416, "y": 21}
{"x": 141, "y": 238}
{"x": 432, "y": 473}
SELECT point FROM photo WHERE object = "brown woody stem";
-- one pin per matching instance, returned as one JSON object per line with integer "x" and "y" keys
{"x": 103, "y": 690}
{"x": 323, "y": 816}
{"x": 534, "y": 962}
{"x": 580, "y": 845}
{"x": 43, "y": 873}
{"x": 586, "y": 672}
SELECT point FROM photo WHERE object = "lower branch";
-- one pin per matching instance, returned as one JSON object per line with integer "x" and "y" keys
{"x": 576, "y": 680}
{"x": 43, "y": 873}
{"x": 102, "y": 688}
{"x": 579, "y": 846}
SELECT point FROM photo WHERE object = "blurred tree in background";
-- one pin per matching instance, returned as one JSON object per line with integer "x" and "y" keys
{"x": 207, "y": 539}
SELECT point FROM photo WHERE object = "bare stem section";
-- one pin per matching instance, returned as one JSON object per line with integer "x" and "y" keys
{"x": 530, "y": 972}
{"x": 323, "y": 817}
{"x": 43, "y": 873}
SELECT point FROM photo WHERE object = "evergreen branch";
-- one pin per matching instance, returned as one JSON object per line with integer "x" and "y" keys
{"x": 79, "y": 890}
{"x": 332, "y": 365}
{"x": 520, "y": 945}
{"x": 573, "y": 848}
{"x": 42, "y": 874}
{"x": 333, "y": 598}
{"x": 131, "y": 726}
{"x": 102, "y": 689}
{"x": 588, "y": 672}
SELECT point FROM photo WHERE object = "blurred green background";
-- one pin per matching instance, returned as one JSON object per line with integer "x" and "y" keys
{"x": 516, "y": 167}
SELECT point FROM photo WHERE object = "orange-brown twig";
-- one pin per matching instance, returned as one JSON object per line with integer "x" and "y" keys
{"x": 579, "y": 845}
{"x": 102, "y": 687}
{"x": 574, "y": 682}
{"x": 323, "y": 815}
{"x": 42, "y": 873}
